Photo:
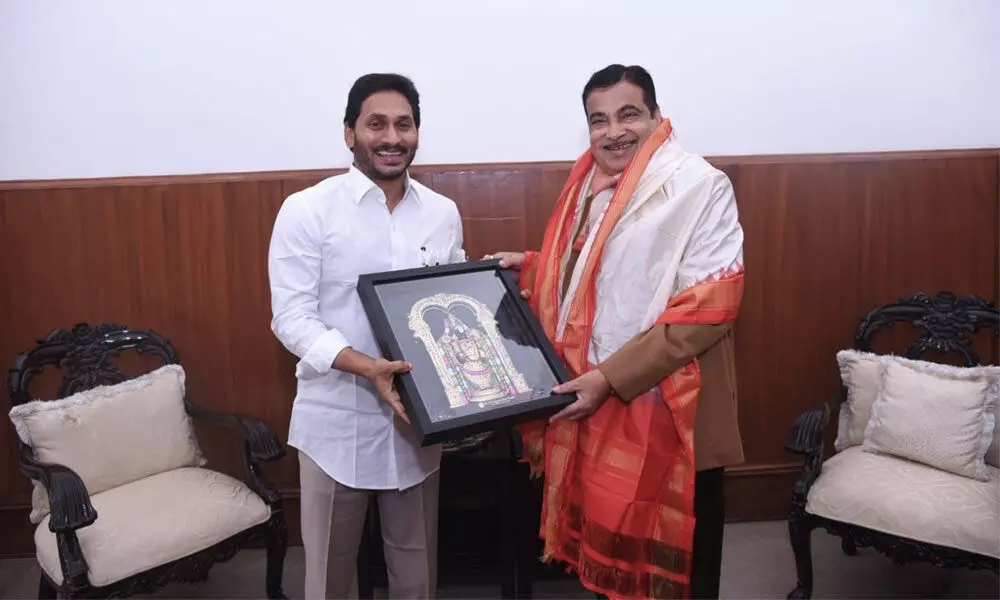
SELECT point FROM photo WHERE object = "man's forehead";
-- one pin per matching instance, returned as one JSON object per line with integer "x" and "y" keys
{"x": 613, "y": 98}
{"x": 389, "y": 104}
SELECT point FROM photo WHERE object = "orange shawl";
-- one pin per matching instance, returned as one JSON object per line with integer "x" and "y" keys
{"x": 618, "y": 503}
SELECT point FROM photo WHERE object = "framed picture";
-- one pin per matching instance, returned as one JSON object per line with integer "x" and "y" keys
{"x": 480, "y": 358}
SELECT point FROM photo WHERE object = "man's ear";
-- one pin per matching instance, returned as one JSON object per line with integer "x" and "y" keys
{"x": 349, "y": 137}
{"x": 656, "y": 114}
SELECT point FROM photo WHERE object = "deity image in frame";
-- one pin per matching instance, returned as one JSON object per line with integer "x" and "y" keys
{"x": 470, "y": 359}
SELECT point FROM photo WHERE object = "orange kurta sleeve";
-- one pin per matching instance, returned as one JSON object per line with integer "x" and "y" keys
{"x": 652, "y": 356}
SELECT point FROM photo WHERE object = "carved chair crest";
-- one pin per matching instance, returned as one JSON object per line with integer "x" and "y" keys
{"x": 947, "y": 321}
{"x": 85, "y": 354}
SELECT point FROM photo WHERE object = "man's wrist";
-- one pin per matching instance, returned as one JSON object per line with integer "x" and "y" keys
{"x": 362, "y": 366}
{"x": 356, "y": 363}
{"x": 368, "y": 366}
{"x": 608, "y": 381}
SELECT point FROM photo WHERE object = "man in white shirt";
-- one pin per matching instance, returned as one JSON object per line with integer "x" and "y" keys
{"x": 347, "y": 422}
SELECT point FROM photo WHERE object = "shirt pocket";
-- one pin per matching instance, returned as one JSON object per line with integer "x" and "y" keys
{"x": 435, "y": 249}
{"x": 431, "y": 255}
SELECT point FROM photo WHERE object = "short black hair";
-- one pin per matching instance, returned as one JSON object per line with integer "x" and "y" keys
{"x": 373, "y": 83}
{"x": 612, "y": 74}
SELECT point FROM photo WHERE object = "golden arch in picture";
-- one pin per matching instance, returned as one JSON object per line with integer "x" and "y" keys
{"x": 470, "y": 360}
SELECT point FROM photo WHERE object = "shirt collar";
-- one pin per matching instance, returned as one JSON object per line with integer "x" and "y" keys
{"x": 360, "y": 185}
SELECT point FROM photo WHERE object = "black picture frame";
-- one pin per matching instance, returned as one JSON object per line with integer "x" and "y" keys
{"x": 523, "y": 327}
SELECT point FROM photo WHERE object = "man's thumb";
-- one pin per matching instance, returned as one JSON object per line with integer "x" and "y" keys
{"x": 401, "y": 366}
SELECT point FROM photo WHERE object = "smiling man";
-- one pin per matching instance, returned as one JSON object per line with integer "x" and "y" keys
{"x": 637, "y": 283}
{"x": 352, "y": 434}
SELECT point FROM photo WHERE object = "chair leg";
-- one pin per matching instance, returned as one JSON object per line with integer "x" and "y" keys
{"x": 45, "y": 589}
{"x": 800, "y": 532}
{"x": 848, "y": 547}
{"x": 277, "y": 545}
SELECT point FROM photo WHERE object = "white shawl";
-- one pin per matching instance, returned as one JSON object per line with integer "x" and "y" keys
{"x": 680, "y": 228}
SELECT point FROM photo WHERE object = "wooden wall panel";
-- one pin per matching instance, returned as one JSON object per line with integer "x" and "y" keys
{"x": 828, "y": 237}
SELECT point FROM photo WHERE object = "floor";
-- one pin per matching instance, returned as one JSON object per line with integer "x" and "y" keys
{"x": 757, "y": 563}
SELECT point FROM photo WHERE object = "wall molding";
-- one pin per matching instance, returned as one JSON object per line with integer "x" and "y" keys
{"x": 718, "y": 161}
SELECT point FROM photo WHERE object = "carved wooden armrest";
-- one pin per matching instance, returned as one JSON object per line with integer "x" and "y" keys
{"x": 260, "y": 445}
{"x": 807, "y": 439}
{"x": 69, "y": 501}
{"x": 261, "y": 442}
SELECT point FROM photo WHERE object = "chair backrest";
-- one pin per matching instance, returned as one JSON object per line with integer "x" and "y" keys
{"x": 947, "y": 322}
{"x": 86, "y": 356}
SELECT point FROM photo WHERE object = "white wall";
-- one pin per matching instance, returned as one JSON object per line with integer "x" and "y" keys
{"x": 120, "y": 87}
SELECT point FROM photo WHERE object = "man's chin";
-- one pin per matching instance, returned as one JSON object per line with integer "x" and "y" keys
{"x": 390, "y": 174}
{"x": 391, "y": 171}
{"x": 613, "y": 166}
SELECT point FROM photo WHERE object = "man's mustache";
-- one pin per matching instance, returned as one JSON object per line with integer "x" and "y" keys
{"x": 387, "y": 148}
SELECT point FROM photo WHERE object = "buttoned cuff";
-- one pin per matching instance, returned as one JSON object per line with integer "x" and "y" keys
{"x": 318, "y": 361}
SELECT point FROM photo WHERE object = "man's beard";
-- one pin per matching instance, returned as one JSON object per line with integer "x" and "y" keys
{"x": 365, "y": 161}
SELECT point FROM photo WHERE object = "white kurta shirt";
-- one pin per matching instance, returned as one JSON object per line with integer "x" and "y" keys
{"x": 323, "y": 238}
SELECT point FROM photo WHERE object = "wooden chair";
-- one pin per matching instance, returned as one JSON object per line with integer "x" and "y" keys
{"x": 170, "y": 524}
{"x": 946, "y": 322}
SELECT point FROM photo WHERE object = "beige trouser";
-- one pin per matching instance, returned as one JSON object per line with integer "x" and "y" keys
{"x": 333, "y": 518}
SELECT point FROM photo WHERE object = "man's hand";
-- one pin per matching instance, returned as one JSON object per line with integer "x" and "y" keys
{"x": 591, "y": 388}
{"x": 381, "y": 373}
{"x": 512, "y": 261}
{"x": 508, "y": 260}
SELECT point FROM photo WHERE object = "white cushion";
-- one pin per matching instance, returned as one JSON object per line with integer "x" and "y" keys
{"x": 937, "y": 415}
{"x": 111, "y": 435}
{"x": 155, "y": 520}
{"x": 910, "y": 500}
{"x": 861, "y": 374}
{"x": 993, "y": 454}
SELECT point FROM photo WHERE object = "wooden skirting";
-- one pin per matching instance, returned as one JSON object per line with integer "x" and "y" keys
{"x": 827, "y": 238}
